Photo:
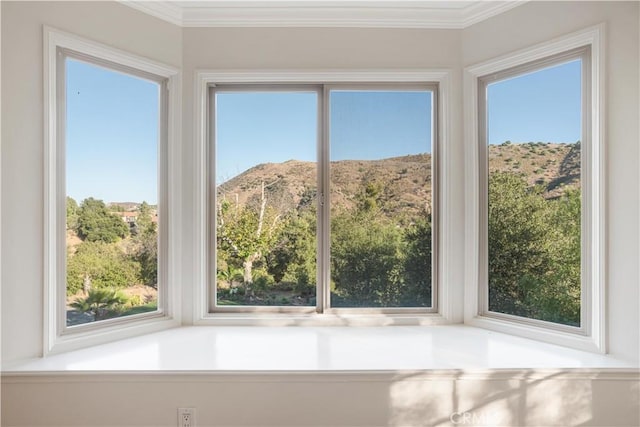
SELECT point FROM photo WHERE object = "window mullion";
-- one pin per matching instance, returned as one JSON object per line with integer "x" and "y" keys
{"x": 324, "y": 205}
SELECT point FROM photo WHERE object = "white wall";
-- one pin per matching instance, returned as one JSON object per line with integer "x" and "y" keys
{"x": 22, "y": 140}
{"x": 536, "y": 22}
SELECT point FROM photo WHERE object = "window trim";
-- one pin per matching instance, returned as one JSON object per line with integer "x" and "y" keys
{"x": 252, "y": 316}
{"x": 213, "y": 196}
{"x": 57, "y": 336}
{"x": 435, "y": 194}
{"x": 583, "y": 54}
{"x": 591, "y": 335}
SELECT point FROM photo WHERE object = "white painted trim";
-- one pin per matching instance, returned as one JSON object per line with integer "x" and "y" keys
{"x": 595, "y": 215}
{"x": 1, "y": 166}
{"x": 446, "y": 288}
{"x": 316, "y": 377}
{"x": 311, "y": 13}
{"x": 164, "y": 10}
{"x": 325, "y": 76}
{"x": 204, "y": 79}
{"x": 170, "y": 191}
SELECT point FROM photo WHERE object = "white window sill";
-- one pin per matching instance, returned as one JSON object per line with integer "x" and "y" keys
{"x": 318, "y": 349}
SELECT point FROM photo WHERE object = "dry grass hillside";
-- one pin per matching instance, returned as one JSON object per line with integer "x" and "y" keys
{"x": 555, "y": 166}
{"x": 402, "y": 183}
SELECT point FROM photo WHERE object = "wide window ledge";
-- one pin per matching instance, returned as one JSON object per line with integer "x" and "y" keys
{"x": 398, "y": 349}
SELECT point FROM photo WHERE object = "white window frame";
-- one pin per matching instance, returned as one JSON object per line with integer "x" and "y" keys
{"x": 590, "y": 335}
{"x": 203, "y": 253}
{"x": 58, "y": 337}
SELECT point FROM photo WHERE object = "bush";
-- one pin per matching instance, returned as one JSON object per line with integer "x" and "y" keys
{"x": 100, "y": 265}
{"x": 367, "y": 259}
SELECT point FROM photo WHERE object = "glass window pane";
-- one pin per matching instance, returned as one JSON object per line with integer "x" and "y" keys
{"x": 534, "y": 132}
{"x": 112, "y": 123}
{"x": 381, "y": 198}
{"x": 266, "y": 176}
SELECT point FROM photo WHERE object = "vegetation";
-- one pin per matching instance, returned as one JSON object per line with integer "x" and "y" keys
{"x": 107, "y": 258}
{"x": 534, "y": 251}
{"x": 381, "y": 233}
{"x": 100, "y": 265}
{"x": 272, "y": 240}
{"x": 381, "y": 237}
{"x": 100, "y": 303}
{"x": 96, "y": 224}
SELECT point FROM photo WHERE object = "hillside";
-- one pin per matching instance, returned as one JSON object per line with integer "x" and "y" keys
{"x": 403, "y": 183}
{"x": 556, "y": 166}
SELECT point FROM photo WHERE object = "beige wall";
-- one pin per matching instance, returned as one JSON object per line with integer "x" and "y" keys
{"x": 511, "y": 398}
{"x": 537, "y": 22}
{"x": 22, "y": 140}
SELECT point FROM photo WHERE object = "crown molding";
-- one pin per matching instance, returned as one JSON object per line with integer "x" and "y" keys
{"x": 313, "y": 13}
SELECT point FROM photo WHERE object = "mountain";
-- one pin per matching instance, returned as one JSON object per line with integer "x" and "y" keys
{"x": 555, "y": 166}
{"x": 398, "y": 183}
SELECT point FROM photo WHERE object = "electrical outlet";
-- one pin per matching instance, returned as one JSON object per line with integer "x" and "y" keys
{"x": 186, "y": 417}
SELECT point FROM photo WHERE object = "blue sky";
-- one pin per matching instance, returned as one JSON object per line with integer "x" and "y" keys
{"x": 377, "y": 125}
{"x": 112, "y": 126}
{"x": 111, "y": 135}
{"x": 254, "y": 128}
{"x": 541, "y": 106}
{"x": 261, "y": 127}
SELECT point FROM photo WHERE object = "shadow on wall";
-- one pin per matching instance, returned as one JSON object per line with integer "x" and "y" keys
{"x": 509, "y": 398}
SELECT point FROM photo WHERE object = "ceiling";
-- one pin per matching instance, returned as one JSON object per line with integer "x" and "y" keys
{"x": 314, "y": 13}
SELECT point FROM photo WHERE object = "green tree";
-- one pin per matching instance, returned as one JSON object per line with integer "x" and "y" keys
{"x": 72, "y": 214}
{"x": 147, "y": 256}
{"x": 146, "y": 242}
{"x": 534, "y": 251}
{"x": 367, "y": 258}
{"x": 97, "y": 224}
{"x": 145, "y": 218}
{"x": 101, "y": 303}
{"x": 248, "y": 234}
{"x": 518, "y": 233}
{"x": 100, "y": 265}
{"x": 559, "y": 300}
{"x": 369, "y": 198}
{"x": 293, "y": 254}
{"x": 417, "y": 266}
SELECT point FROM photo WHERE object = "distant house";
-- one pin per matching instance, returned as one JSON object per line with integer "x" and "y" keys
{"x": 132, "y": 217}
{"x": 128, "y": 217}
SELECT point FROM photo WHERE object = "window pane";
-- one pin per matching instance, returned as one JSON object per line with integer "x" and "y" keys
{"x": 265, "y": 169}
{"x": 112, "y": 123}
{"x": 381, "y": 198}
{"x": 534, "y": 132}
